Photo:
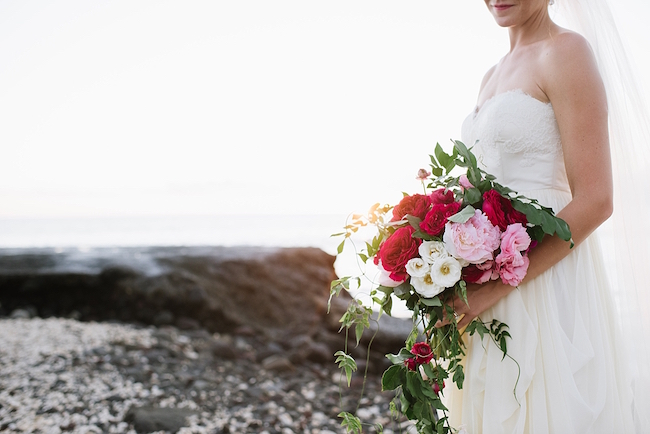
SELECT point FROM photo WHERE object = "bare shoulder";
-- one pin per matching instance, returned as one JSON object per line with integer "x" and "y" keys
{"x": 567, "y": 63}
{"x": 567, "y": 48}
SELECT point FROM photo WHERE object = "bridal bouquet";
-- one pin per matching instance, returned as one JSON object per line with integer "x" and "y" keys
{"x": 462, "y": 229}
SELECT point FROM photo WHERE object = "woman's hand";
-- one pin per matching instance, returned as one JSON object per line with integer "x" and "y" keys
{"x": 479, "y": 299}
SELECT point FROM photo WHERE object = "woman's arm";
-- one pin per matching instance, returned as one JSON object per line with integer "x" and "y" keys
{"x": 572, "y": 83}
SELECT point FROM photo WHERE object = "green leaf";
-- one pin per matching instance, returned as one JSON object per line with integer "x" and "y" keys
{"x": 444, "y": 159}
{"x": 393, "y": 377}
{"x": 335, "y": 289}
{"x": 413, "y": 221}
{"x": 351, "y": 423}
{"x": 459, "y": 376}
{"x": 346, "y": 363}
{"x": 358, "y": 331}
{"x": 404, "y": 288}
{"x": 462, "y": 216}
{"x": 399, "y": 358}
{"x": 431, "y": 302}
{"x": 473, "y": 195}
{"x": 548, "y": 223}
{"x": 387, "y": 304}
{"x": 339, "y": 249}
{"x": 562, "y": 229}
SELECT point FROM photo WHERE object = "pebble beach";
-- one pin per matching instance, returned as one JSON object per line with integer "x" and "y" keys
{"x": 65, "y": 376}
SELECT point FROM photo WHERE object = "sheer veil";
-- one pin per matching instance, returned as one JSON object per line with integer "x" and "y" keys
{"x": 629, "y": 126}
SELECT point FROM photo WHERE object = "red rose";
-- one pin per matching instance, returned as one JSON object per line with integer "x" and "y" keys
{"x": 499, "y": 210}
{"x": 435, "y": 220}
{"x": 416, "y": 205}
{"x": 410, "y": 364}
{"x": 397, "y": 250}
{"x": 422, "y": 352}
{"x": 439, "y": 196}
{"x": 436, "y": 387}
{"x": 478, "y": 273}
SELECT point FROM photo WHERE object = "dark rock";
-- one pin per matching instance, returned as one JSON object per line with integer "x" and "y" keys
{"x": 164, "y": 317}
{"x": 224, "y": 350}
{"x": 264, "y": 290}
{"x": 148, "y": 419}
{"x": 278, "y": 364}
{"x": 186, "y": 323}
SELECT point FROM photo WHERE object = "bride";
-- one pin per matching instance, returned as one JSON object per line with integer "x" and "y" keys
{"x": 541, "y": 127}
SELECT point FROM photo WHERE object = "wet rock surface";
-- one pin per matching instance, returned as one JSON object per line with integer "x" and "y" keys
{"x": 62, "y": 375}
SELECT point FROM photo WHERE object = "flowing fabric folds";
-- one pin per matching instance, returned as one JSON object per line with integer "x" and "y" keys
{"x": 565, "y": 372}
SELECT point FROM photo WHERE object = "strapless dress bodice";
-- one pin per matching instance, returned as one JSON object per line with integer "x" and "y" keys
{"x": 516, "y": 138}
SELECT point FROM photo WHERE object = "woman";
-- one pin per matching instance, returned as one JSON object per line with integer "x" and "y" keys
{"x": 541, "y": 127}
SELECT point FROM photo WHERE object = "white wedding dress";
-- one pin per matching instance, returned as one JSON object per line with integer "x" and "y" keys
{"x": 571, "y": 378}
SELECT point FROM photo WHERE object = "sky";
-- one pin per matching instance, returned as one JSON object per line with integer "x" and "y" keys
{"x": 137, "y": 107}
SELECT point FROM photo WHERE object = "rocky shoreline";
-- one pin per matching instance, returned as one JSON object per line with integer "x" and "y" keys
{"x": 62, "y": 375}
{"x": 189, "y": 340}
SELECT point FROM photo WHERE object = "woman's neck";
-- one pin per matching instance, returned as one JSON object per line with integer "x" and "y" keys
{"x": 538, "y": 27}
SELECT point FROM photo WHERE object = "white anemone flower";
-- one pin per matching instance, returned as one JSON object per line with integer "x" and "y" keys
{"x": 446, "y": 271}
{"x": 416, "y": 267}
{"x": 432, "y": 250}
{"x": 426, "y": 287}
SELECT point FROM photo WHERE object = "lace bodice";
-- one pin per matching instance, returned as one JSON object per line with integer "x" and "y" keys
{"x": 516, "y": 138}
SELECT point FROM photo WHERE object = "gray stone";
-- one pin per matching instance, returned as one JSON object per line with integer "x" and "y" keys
{"x": 277, "y": 363}
{"x": 149, "y": 419}
{"x": 20, "y": 314}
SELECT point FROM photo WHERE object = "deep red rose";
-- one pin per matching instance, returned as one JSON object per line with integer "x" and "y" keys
{"x": 410, "y": 364}
{"x": 397, "y": 250}
{"x": 416, "y": 205}
{"x": 473, "y": 274}
{"x": 439, "y": 196}
{"x": 422, "y": 352}
{"x": 499, "y": 210}
{"x": 436, "y": 387}
{"x": 435, "y": 220}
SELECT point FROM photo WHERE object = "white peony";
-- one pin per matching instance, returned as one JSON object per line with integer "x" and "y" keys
{"x": 416, "y": 267}
{"x": 426, "y": 287}
{"x": 446, "y": 271}
{"x": 432, "y": 250}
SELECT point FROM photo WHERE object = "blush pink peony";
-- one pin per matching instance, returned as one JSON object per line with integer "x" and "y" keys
{"x": 474, "y": 241}
{"x": 512, "y": 269}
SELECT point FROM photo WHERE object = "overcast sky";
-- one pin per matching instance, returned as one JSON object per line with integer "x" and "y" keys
{"x": 133, "y": 107}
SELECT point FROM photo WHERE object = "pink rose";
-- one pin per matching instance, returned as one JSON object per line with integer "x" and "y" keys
{"x": 514, "y": 240}
{"x": 474, "y": 241}
{"x": 423, "y": 174}
{"x": 435, "y": 220}
{"x": 464, "y": 182}
{"x": 397, "y": 250}
{"x": 422, "y": 352}
{"x": 512, "y": 269}
{"x": 439, "y": 196}
{"x": 416, "y": 205}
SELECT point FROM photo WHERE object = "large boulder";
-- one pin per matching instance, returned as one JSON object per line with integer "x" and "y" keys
{"x": 280, "y": 294}
{"x": 265, "y": 289}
